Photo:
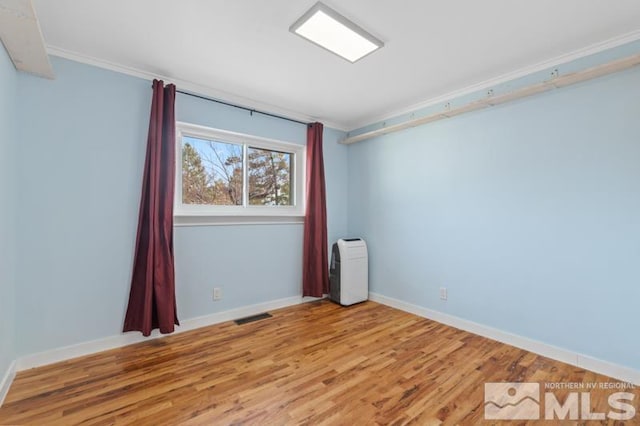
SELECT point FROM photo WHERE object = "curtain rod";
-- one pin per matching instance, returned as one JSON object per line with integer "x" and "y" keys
{"x": 241, "y": 107}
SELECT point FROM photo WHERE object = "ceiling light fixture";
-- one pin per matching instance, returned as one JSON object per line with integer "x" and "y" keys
{"x": 328, "y": 29}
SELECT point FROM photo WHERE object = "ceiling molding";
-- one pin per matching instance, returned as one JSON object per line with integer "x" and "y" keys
{"x": 254, "y": 104}
{"x": 189, "y": 87}
{"x": 504, "y": 78}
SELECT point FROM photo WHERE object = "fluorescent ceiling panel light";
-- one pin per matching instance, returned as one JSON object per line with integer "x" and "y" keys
{"x": 325, "y": 27}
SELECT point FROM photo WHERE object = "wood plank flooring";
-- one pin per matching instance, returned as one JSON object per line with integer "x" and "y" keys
{"x": 311, "y": 364}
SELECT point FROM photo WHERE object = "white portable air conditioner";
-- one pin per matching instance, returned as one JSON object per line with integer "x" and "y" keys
{"x": 349, "y": 272}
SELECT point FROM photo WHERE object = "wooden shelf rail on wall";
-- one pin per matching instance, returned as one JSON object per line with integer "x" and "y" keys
{"x": 553, "y": 83}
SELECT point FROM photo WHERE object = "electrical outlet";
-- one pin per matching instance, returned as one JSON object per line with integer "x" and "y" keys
{"x": 443, "y": 293}
{"x": 217, "y": 293}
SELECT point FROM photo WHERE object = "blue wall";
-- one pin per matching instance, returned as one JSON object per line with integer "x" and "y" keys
{"x": 81, "y": 158}
{"x": 8, "y": 192}
{"x": 529, "y": 213}
{"x": 80, "y": 162}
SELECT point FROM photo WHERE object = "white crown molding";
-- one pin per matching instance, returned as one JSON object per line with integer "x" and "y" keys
{"x": 119, "y": 340}
{"x": 504, "y": 78}
{"x": 189, "y": 86}
{"x": 615, "y": 371}
{"x": 349, "y": 127}
{"x": 5, "y": 384}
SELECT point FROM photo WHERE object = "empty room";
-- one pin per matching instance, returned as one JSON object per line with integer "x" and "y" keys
{"x": 345, "y": 212}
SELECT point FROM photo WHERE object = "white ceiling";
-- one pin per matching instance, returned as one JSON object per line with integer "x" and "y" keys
{"x": 243, "y": 51}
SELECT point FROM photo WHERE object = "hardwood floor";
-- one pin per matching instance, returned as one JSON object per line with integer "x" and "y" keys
{"x": 311, "y": 364}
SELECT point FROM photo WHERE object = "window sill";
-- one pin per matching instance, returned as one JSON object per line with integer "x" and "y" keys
{"x": 204, "y": 220}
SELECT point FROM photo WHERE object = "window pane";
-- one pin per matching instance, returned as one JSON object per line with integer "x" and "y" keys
{"x": 211, "y": 172}
{"x": 269, "y": 177}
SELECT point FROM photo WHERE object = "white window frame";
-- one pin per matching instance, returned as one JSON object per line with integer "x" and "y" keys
{"x": 189, "y": 214}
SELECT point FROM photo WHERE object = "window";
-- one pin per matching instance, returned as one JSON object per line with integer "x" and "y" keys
{"x": 230, "y": 177}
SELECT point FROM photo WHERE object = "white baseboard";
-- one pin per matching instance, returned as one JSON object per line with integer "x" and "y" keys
{"x": 5, "y": 384}
{"x": 93, "y": 346}
{"x": 615, "y": 371}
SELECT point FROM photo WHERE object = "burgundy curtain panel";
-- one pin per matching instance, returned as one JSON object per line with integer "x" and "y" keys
{"x": 315, "y": 270}
{"x": 152, "y": 301}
